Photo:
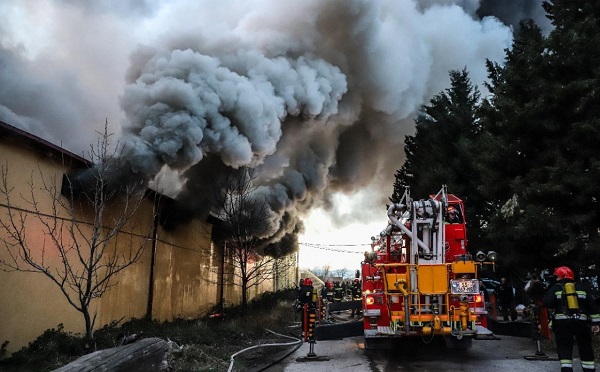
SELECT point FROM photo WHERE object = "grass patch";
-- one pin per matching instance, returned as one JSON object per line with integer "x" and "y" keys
{"x": 206, "y": 344}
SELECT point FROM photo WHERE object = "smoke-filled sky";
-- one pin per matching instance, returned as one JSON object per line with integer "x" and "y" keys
{"x": 316, "y": 95}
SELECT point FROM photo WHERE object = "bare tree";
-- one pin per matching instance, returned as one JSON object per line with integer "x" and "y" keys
{"x": 83, "y": 225}
{"x": 341, "y": 272}
{"x": 245, "y": 220}
{"x": 322, "y": 272}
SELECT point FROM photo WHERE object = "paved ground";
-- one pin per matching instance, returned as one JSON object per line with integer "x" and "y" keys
{"x": 348, "y": 355}
{"x": 508, "y": 353}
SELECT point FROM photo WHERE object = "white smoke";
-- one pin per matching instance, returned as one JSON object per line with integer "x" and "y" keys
{"x": 316, "y": 95}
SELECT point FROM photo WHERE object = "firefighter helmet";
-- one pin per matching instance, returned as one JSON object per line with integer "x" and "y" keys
{"x": 564, "y": 272}
{"x": 308, "y": 281}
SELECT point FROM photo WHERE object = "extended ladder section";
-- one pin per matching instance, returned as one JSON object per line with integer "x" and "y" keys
{"x": 417, "y": 277}
{"x": 423, "y": 223}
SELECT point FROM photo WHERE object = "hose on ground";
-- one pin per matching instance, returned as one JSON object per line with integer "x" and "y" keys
{"x": 297, "y": 342}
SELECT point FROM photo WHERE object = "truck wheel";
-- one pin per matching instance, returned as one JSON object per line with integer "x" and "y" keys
{"x": 462, "y": 344}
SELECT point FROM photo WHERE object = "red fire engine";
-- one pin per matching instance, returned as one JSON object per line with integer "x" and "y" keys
{"x": 419, "y": 279}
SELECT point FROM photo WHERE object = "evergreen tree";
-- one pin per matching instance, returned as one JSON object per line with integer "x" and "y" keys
{"x": 541, "y": 132}
{"x": 440, "y": 152}
{"x": 527, "y": 160}
{"x": 574, "y": 67}
{"x": 515, "y": 151}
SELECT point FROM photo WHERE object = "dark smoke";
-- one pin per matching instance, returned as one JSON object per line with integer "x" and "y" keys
{"x": 511, "y": 12}
{"x": 317, "y": 96}
{"x": 182, "y": 105}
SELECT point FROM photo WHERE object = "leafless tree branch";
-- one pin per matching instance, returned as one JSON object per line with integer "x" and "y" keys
{"x": 85, "y": 231}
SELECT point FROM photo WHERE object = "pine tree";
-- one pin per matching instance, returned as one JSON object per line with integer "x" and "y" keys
{"x": 541, "y": 132}
{"x": 440, "y": 152}
{"x": 573, "y": 61}
{"x": 515, "y": 153}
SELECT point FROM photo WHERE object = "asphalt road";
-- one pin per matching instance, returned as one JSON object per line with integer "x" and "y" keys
{"x": 348, "y": 355}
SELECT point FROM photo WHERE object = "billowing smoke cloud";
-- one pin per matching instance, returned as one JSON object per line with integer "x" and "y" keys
{"x": 184, "y": 104}
{"x": 316, "y": 96}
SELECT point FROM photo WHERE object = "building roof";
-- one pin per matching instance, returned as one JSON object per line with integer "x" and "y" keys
{"x": 172, "y": 212}
{"x": 41, "y": 146}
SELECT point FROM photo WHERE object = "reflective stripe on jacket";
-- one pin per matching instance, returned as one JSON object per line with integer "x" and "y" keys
{"x": 588, "y": 309}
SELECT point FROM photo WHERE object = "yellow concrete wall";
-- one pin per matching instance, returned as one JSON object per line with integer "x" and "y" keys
{"x": 284, "y": 277}
{"x": 128, "y": 298}
{"x": 185, "y": 284}
{"x": 29, "y": 302}
{"x": 186, "y": 271}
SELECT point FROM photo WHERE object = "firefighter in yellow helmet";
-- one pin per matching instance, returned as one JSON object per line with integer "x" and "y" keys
{"x": 574, "y": 311}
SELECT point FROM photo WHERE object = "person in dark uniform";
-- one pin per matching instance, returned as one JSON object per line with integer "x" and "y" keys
{"x": 453, "y": 215}
{"x": 338, "y": 292}
{"x": 304, "y": 297}
{"x": 535, "y": 289}
{"x": 505, "y": 296}
{"x": 356, "y": 295}
{"x": 323, "y": 293}
{"x": 305, "y": 292}
{"x": 327, "y": 291}
{"x": 574, "y": 310}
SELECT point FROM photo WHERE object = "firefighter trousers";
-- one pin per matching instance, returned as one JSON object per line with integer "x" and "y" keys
{"x": 567, "y": 332}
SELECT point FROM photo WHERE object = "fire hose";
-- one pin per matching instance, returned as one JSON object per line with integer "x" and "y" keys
{"x": 297, "y": 342}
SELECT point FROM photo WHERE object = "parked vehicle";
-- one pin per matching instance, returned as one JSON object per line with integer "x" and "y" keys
{"x": 419, "y": 279}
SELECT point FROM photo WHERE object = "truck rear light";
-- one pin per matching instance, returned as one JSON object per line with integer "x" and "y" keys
{"x": 374, "y": 299}
{"x": 478, "y": 298}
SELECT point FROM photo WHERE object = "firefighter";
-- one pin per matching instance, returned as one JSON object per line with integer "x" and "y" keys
{"x": 356, "y": 294}
{"x": 505, "y": 295}
{"x": 535, "y": 289}
{"x": 297, "y": 304}
{"x": 574, "y": 310}
{"x": 453, "y": 215}
{"x": 338, "y": 292}
{"x": 323, "y": 293}
{"x": 304, "y": 297}
{"x": 329, "y": 291}
{"x": 305, "y": 292}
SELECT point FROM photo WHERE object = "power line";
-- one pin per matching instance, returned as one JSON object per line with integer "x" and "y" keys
{"x": 328, "y": 247}
{"x": 336, "y": 245}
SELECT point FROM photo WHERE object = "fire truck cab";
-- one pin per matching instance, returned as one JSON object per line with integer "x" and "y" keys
{"x": 419, "y": 280}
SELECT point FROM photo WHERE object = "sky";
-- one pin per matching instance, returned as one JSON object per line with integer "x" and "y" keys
{"x": 316, "y": 96}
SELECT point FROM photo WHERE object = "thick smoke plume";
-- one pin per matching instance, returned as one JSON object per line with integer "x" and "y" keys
{"x": 316, "y": 96}
{"x": 182, "y": 105}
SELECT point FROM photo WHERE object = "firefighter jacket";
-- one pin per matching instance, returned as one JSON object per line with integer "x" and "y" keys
{"x": 356, "y": 291}
{"x": 305, "y": 294}
{"x": 338, "y": 293}
{"x": 587, "y": 309}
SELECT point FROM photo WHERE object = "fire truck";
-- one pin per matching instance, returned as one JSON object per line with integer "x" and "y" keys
{"x": 419, "y": 280}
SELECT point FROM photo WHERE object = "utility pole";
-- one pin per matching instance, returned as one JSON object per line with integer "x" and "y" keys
{"x": 222, "y": 279}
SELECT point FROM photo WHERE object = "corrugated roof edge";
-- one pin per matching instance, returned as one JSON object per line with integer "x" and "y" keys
{"x": 42, "y": 146}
